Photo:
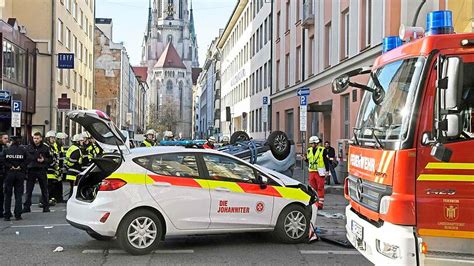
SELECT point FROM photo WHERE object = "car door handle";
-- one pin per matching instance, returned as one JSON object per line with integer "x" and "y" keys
{"x": 162, "y": 184}
{"x": 222, "y": 189}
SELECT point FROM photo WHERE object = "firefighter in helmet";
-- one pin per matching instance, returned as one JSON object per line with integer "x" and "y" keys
{"x": 74, "y": 160}
{"x": 53, "y": 168}
{"x": 149, "y": 139}
{"x": 61, "y": 144}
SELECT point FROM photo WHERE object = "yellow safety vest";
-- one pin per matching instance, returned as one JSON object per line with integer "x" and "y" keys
{"x": 315, "y": 160}
{"x": 147, "y": 143}
{"x": 73, "y": 165}
{"x": 53, "y": 168}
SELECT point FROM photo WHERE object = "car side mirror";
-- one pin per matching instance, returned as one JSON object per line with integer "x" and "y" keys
{"x": 262, "y": 181}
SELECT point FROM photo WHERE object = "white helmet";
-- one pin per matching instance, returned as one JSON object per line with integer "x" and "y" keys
{"x": 61, "y": 135}
{"x": 150, "y": 132}
{"x": 86, "y": 135}
{"x": 314, "y": 139}
{"x": 168, "y": 134}
{"x": 212, "y": 138}
{"x": 51, "y": 134}
{"x": 225, "y": 139}
{"x": 77, "y": 138}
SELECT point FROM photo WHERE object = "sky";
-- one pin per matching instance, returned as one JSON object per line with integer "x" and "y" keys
{"x": 130, "y": 17}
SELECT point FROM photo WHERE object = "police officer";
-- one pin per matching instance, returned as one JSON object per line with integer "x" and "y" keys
{"x": 15, "y": 165}
{"x": 73, "y": 160}
{"x": 39, "y": 158}
{"x": 316, "y": 167}
{"x": 60, "y": 143}
{"x": 53, "y": 168}
{"x": 3, "y": 147}
{"x": 149, "y": 139}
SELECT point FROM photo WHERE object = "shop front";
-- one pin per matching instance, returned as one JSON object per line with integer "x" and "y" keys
{"x": 18, "y": 79}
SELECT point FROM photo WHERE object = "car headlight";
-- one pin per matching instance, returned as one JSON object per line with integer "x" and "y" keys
{"x": 385, "y": 204}
{"x": 387, "y": 249}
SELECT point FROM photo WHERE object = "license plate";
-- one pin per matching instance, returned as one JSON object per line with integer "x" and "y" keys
{"x": 357, "y": 230}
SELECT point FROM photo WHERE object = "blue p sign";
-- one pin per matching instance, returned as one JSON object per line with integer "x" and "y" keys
{"x": 265, "y": 100}
{"x": 16, "y": 106}
{"x": 303, "y": 100}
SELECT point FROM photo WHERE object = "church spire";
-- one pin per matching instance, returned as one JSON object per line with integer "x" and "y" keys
{"x": 148, "y": 32}
{"x": 191, "y": 23}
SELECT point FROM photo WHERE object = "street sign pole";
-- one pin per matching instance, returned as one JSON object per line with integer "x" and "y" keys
{"x": 303, "y": 126}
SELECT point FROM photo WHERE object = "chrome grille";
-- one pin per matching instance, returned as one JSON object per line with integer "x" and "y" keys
{"x": 367, "y": 193}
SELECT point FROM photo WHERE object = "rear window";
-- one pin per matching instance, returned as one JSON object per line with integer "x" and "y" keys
{"x": 176, "y": 165}
{"x": 106, "y": 136}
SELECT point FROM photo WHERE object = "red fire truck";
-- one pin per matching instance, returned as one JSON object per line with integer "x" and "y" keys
{"x": 411, "y": 160}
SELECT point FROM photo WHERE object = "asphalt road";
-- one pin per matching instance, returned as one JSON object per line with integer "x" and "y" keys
{"x": 33, "y": 240}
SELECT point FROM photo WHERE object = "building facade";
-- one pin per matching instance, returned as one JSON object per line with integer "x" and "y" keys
{"x": 18, "y": 76}
{"x": 65, "y": 26}
{"x": 209, "y": 84}
{"x": 170, "y": 53}
{"x": 246, "y": 67}
{"x": 118, "y": 90}
{"x": 315, "y": 41}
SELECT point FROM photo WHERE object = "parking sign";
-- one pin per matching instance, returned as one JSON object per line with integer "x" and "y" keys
{"x": 16, "y": 114}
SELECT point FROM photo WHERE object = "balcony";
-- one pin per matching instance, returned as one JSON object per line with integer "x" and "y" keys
{"x": 308, "y": 14}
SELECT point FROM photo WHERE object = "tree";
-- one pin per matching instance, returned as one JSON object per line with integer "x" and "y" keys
{"x": 165, "y": 117}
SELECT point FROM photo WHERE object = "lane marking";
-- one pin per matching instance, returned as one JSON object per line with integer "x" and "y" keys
{"x": 327, "y": 252}
{"x": 174, "y": 251}
{"x": 38, "y": 225}
{"x": 92, "y": 251}
{"x": 119, "y": 251}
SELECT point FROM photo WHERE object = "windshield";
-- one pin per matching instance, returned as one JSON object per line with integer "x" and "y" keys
{"x": 389, "y": 121}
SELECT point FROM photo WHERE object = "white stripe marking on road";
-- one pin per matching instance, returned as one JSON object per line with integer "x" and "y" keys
{"x": 92, "y": 251}
{"x": 326, "y": 252}
{"x": 119, "y": 251}
{"x": 38, "y": 225}
{"x": 174, "y": 251}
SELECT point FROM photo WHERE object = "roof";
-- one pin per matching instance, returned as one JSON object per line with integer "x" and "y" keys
{"x": 141, "y": 72}
{"x": 103, "y": 21}
{"x": 196, "y": 71}
{"x": 238, "y": 10}
{"x": 170, "y": 58}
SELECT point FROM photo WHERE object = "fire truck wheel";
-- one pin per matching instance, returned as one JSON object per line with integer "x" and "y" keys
{"x": 280, "y": 145}
{"x": 140, "y": 232}
{"x": 100, "y": 237}
{"x": 293, "y": 225}
{"x": 239, "y": 136}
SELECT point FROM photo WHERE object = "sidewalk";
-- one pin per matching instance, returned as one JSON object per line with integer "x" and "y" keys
{"x": 331, "y": 220}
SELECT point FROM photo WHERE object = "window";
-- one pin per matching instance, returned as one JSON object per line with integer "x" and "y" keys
{"x": 74, "y": 9}
{"x": 81, "y": 19}
{"x": 345, "y": 34}
{"x": 169, "y": 87}
{"x": 223, "y": 168}
{"x": 298, "y": 64}
{"x": 346, "y": 116}
{"x": 68, "y": 38}
{"x": 74, "y": 81}
{"x": 327, "y": 45}
{"x": 366, "y": 23}
{"x": 287, "y": 10}
{"x": 60, "y": 76}
{"x": 314, "y": 124}
{"x": 175, "y": 165}
{"x": 310, "y": 58}
{"x": 67, "y": 3}
{"x": 278, "y": 24}
{"x": 74, "y": 44}
{"x": 298, "y": 15}
{"x": 260, "y": 120}
{"x": 60, "y": 31}
{"x": 277, "y": 81}
{"x": 289, "y": 126}
{"x": 14, "y": 62}
{"x": 67, "y": 78}
{"x": 287, "y": 70}
{"x": 80, "y": 84}
{"x": 79, "y": 52}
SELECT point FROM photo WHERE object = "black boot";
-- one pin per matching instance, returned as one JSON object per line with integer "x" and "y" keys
{"x": 46, "y": 209}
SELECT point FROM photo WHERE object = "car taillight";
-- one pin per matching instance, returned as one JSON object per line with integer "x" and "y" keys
{"x": 111, "y": 184}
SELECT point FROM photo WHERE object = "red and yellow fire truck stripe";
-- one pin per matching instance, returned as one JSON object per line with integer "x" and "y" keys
{"x": 275, "y": 191}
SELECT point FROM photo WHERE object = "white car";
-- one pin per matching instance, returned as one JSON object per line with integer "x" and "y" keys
{"x": 142, "y": 195}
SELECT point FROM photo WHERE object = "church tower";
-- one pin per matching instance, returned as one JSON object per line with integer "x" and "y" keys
{"x": 170, "y": 52}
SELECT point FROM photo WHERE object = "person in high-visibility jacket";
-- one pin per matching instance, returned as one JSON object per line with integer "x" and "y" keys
{"x": 92, "y": 150}
{"x": 60, "y": 144}
{"x": 149, "y": 139}
{"x": 53, "y": 168}
{"x": 316, "y": 168}
{"x": 74, "y": 160}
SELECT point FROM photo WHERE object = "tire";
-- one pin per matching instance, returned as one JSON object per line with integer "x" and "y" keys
{"x": 137, "y": 218}
{"x": 100, "y": 237}
{"x": 285, "y": 222}
{"x": 279, "y": 144}
{"x": 239, "y": 136}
